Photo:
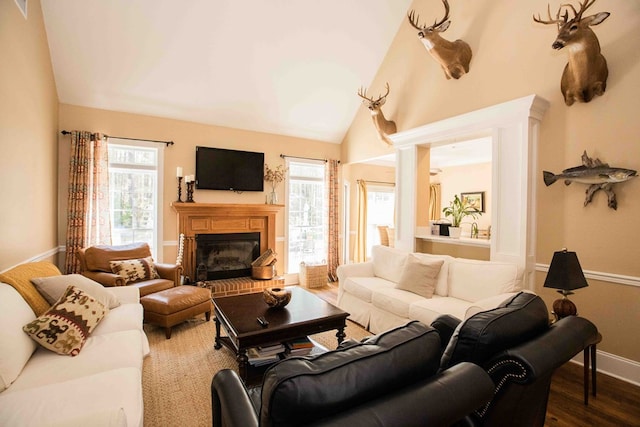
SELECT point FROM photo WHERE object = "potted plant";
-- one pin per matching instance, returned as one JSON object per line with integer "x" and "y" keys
{"x": 457, "y": 210}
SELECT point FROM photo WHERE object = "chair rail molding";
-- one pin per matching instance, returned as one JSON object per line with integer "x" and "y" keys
{"x": 514, "y": 127}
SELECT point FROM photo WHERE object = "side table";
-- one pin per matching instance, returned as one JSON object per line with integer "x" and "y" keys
{"x": 590, "y": 352}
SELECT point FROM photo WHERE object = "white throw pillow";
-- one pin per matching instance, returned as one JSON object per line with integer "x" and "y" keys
{"x": 419, "y": 276}
{"x": 53, "y": 287}
{"x": 15, "y": 347}
{"x": 388, "y": 262}
{"x": 472, "y": 280}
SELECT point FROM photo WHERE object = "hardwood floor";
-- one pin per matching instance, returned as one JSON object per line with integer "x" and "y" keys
{"x": 616, "y": 404}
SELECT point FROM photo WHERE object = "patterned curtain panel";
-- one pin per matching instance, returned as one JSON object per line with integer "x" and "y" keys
{"x": 88, "y": 219}
{"x": 333, "y": 257}
{"x": 360, "y": 250}
{"x": 435, "y": 213}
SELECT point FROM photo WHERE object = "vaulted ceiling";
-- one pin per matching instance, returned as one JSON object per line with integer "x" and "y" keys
{"x": 277, "y": 66}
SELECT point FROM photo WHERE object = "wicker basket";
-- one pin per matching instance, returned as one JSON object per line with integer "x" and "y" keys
{"x": 313, "y": 275}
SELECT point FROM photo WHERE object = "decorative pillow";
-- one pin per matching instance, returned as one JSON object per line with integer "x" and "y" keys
{"x": 419, "y": 276}
{"x": 65, "y": 327}
{"x": 53, "y": 287}
{"x": 134, "y": 270}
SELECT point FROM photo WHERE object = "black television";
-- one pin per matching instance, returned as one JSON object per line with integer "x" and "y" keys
{"x": 233, "y": 170}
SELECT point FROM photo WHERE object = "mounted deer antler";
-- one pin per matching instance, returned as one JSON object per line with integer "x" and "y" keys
{"x": 585, "y": 75}
{"x": 383, "y": 126}
{"x": 454, "y": 57}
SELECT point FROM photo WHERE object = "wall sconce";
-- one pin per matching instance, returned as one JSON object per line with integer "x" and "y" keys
{"x": 565, "y": 274}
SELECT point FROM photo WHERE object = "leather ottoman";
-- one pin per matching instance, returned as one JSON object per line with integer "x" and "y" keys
{"x": 175, "y": 305}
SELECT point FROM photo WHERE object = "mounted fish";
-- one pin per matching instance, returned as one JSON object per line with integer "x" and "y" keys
{"x": 598, "y": 175}
{"x": 383, "y": 126}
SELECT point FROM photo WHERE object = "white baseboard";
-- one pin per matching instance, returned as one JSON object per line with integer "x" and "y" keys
{"x": 614, "y": 366}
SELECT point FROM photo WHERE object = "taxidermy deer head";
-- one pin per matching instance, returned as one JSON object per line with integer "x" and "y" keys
{"x": 454, "y": 57}
{"x": 586, "y": 73}
{"x": 383, "y": 126}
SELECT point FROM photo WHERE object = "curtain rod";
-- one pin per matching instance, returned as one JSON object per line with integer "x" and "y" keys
{"x": 167, "y": 143}
{"x": 377, "y": 182}
{"x": 284, "y": 156}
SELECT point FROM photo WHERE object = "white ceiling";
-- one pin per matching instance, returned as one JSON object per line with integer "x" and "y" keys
{"x": 285, "y": 67}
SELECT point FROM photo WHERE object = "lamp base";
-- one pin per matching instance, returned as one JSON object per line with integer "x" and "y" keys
{"x": 564, "y": 307}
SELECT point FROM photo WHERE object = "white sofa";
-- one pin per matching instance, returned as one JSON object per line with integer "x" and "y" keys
{"x": 369, "y": 290}
{"x": 101, "y": 386}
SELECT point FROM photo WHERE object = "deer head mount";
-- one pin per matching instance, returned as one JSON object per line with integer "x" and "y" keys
{"x": 585, "y": 75}
{"x": 383, "y": 126}
{"x": 453, "y": 57}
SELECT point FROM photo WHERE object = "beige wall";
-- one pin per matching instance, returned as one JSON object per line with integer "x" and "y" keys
{"x": 28, "y": 123}
{"x": 186, "y": 136}
{"x": 512, "y": 57}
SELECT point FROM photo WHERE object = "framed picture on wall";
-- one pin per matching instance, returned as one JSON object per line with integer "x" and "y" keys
{"x": 22, "y": 5}
{"x": 475, "y": 199}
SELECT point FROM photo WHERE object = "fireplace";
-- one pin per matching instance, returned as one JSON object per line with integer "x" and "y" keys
{"x": 225, "y": 255}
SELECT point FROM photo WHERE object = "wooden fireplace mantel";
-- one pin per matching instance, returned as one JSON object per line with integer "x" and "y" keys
{"x": 217, "y": 218}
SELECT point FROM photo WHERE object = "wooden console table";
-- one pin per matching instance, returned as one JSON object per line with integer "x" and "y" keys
{"x": 589, "y": 352}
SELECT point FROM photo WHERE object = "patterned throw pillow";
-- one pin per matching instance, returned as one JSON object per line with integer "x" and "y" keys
{"x": 134, "y": 270}
{"x": 65, "y": 327}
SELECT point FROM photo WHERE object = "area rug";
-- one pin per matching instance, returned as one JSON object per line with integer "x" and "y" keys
{"x": 177, "y": 375}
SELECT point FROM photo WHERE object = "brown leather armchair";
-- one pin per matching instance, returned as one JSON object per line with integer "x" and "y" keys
{"x": 94, "y": 262}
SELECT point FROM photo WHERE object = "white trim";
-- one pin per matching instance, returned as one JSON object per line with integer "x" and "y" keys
{"x": 601, "y": 276}
{"x": 42, "y": 257}
{"x": 615, "y": 366}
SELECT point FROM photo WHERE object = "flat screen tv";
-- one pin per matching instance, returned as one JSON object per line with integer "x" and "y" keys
{"x": 233, "y": 170}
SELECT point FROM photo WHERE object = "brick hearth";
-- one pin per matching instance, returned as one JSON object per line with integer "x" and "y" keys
{"x": 239, "y": 285}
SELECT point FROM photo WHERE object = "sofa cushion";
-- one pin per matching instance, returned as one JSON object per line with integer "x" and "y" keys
{"x": 419, "y": 276}
{"x": 473, "y": 280}
{"x": 134, "y": 270}
{"x": 442, "y": 279}
{"x": 19, "y": 277}
{"x": 363, "y": 287}
{"x": 97, "y": 257}
{"x": 428, "y": 310}
{"x": 395, "y": 301}
{"x": 53, "y": 287}
{"x": 388, "y": 263}
{"x": 15, "y": 347}
{"x": 338, "y": 380}
{"x": 88, "y": 396}
{"x": 101, "y": 353}
{"x": 64, "y": 328}
{"x": 477, "y": 339}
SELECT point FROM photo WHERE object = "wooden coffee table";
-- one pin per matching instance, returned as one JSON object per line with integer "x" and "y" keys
{"x": 306, "y": 314}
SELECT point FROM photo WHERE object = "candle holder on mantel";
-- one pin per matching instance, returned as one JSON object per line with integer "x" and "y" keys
{"x": 190, "y": 192}
{"x": 179, "y": 190}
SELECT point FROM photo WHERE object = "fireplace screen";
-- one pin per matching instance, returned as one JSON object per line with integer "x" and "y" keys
{"x": 227, "y": 255}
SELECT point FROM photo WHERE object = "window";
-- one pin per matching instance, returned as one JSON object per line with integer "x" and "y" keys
{"x": 380, "y": 211}
{"x": 307, "y": 213}
{"x": 135, "y": 194}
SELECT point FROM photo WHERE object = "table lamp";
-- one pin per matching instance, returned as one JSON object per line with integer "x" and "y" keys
{"x": 565, "y": 274}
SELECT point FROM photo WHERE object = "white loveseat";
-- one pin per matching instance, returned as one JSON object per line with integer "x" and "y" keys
{"x": 369, "y": 290}
{"x": 100, "y": 386}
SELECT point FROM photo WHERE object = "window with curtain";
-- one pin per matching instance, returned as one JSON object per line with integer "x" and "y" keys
{"x": 306, "y": 213}
{"x": 380, "y": 211}
{"x": 135, "y": 193}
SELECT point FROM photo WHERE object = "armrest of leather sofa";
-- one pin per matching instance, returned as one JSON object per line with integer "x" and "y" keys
{"x": 170, "y": 272}
{"x": 230, "y": 402}
{"x": 104, "y": 278}
{"x": 445, "y": 324}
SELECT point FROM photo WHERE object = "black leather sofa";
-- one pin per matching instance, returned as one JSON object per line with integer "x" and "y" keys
{"x": 392, "y": 379}
{"x": 519, "y": 350}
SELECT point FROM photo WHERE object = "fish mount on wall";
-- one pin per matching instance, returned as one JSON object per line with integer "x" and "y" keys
{"x": 598, "y": 175}
{"x": 453, "y": 57}
{"x": 585, "y": 75}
